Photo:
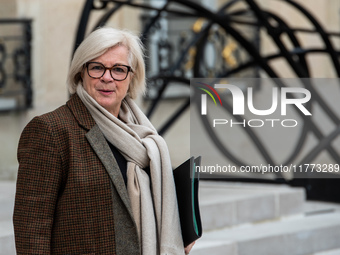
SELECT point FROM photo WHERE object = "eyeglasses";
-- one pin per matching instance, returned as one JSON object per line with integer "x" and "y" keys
{"x": 118, "y": 72}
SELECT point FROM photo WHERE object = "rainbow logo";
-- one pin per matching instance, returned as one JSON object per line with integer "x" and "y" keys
{"x": 204, "y": 97}
{"x": 209, "y": 93}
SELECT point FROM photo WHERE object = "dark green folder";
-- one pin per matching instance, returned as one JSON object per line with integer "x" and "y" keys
{"x": 187, "y": 182}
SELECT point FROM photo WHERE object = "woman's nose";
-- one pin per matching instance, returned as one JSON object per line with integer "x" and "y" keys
{"x": 107, "y": 76}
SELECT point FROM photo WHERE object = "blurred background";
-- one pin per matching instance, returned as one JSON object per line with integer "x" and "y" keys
{"x": 183, "y": 40}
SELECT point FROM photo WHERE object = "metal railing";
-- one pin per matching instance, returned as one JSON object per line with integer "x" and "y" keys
{"x": 15, "y": 65}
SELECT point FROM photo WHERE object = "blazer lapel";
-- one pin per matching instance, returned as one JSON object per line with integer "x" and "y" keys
{"x": 101, "y": 147}
{"x": 103, "y": 151}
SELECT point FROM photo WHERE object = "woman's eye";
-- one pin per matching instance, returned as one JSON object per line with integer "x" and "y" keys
{"x": 97, "y": 68}
{"x": 119, "y": 70}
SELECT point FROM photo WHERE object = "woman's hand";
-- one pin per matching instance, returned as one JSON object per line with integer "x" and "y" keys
{"x": 188, "y": 248}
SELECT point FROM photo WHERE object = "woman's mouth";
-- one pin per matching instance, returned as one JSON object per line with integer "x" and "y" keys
{"x": 106, "y": 92}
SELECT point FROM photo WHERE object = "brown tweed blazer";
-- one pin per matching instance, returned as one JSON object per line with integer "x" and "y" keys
{"x": 70, "y": 197}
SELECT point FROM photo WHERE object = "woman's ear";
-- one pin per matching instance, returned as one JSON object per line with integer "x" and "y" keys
{"x": 78, "y": 78}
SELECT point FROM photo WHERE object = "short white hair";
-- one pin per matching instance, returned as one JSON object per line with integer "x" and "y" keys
{"x": 96, "y": 44}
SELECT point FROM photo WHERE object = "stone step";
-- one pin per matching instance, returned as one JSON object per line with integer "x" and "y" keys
{"x": 7, "y": 194}
{"x": 299, "y": 235}
{"x": 7, "y": 246}
{"x": 318, "y": 207}
{"x": 246, "y": 216}
{"x": 330, "y": 252}
{"x": 226, "y": 204}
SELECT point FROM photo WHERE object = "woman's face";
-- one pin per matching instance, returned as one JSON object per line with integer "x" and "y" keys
{"x": 105, "y": 90}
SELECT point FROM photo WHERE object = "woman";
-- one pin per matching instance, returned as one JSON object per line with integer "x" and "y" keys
{"x": 94, "y": 176}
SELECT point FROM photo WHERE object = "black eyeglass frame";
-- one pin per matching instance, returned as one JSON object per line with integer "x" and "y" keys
{"x": 108, "y": 68}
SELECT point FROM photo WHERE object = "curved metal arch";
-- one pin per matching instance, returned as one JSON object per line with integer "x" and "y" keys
{"x": 225, "y": 21}
{"x": 253, "y": 137}
{"x": 179, "y": 111}
{"x": 330, "y": 49}
{"x": 286, "y": 29}
{"x": 297, "y": 68}
{"x": 109, "y": 13}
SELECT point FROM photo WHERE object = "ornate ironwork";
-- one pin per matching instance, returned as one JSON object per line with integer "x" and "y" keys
{"x": 236, "y": 52}
{"x": 15, "y": 65}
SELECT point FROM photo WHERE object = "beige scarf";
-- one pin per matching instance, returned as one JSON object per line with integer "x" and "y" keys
{"x": 153, "y": 202}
